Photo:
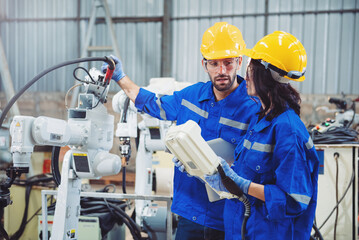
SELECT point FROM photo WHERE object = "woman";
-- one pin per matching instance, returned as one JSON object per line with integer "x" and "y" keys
{"x": 276, "y": 164}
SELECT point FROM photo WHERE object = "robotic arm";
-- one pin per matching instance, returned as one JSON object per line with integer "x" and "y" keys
{"x": 83, "y": 135}
{"x": 89, "y": 134}
{"x": 88, "y": 129}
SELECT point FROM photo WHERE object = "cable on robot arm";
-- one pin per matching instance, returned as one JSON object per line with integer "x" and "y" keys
{"x": 119, "y": 102}
{"x": 87, "y": 72}
{"x": 125, "y": 109}
{"x": 43, "y": 73}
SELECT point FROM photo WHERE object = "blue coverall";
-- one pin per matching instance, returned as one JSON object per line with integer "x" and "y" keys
{"x": 280, "y": 155}
{"x": 227, "y": 119}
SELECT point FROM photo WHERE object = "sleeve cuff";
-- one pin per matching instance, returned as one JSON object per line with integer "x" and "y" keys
{"x": 142, "y": 98}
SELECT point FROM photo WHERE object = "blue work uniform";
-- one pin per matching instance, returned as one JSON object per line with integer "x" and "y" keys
{"x": 280, "y": 155}
{"x": 227, "y": 119}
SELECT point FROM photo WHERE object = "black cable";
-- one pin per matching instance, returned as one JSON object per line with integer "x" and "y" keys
{"x": 43, "y": 73}
{"x": 109, "y": 208}
{"x": 335, "y": 135}
{"x": 233, "y": 188}
{"x": 99, "y": 99}
{"x": 341, "y": 199}
{"x": 29, "y": 184}
{"x": 90, "y": 205}
{"x": 336, "y": 156}
{"x": 135, "y": 235}
{"x": 106, "y": 188}
{"x": 4, "y": 233}
{"x": 124, "y": 112}
{"x": 124, "y": 180}
{"x": 132, "y": 223}
{"x": 117, "y": 210}
{"x": 34, "y": 180}
{"x": 80, "y": 80}
{"x": 317, "y": 234}
{"x": 33, "y": 215}
{"x": 124, "y": 120}
{"x": 55, "y": 165}
{"x": 152, "y": 233}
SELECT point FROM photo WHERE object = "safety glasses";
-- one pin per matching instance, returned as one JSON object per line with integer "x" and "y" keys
{"x": 214, "y": 65}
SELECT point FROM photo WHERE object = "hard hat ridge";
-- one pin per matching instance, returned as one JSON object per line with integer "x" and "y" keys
{"x": 222, "y": 40}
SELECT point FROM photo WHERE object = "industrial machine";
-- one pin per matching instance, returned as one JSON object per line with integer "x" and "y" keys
{"x": 5, "y": 156}
{"x": 337, "y": 147}
{"x": 345, "y": 114}
{"x": 89, "y": 134}
{"x": 151, "y": 137}
{"x": 151, "y": 131}
{"x": 337, "y": 208}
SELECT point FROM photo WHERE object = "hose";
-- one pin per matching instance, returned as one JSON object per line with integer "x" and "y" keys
{"x": 317, "y": 234}
{"x": 55, "y": 165}
{"x": 233, "y": 188}
{"x": 124, "y": 180}
{"x": 336, "y": 156}
{"x": 124, "y": 120}
{"x": 125, "y": 108}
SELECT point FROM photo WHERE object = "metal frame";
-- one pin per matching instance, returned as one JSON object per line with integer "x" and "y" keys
{"x": 160, "y": 18}
{"x": 166, "y": 199}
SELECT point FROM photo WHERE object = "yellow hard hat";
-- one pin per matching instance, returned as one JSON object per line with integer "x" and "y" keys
{"x": 282, "y": 53}
{"x": 222, "y": 40}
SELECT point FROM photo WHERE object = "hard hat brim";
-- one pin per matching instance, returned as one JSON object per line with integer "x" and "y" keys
{"x": 301, "y": 79}
{"x": 221, "y": 55}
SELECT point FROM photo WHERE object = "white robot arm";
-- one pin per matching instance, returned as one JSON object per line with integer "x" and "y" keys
{"x": 89, "y": 130}
{"x": 89, "y": 134}
{"x": 28, "y": 131}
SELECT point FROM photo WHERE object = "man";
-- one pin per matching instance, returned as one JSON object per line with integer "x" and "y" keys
{"x": 222, "y": 109}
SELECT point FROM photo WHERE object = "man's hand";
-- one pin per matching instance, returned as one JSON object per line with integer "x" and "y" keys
{"x": 178, "y": 164}
{"x": 118, "y": 74}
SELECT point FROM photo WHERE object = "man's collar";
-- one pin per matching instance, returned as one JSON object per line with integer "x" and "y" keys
{"x": 207, "y": 91}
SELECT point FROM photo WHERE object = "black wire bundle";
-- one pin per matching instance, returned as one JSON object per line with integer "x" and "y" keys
{"x": 38, "y": 180}
{"x": 335, "y": 135}
{"x": 109, "y": 212}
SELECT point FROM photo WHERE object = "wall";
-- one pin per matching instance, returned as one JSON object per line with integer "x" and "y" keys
{"x": 38, "y": 34}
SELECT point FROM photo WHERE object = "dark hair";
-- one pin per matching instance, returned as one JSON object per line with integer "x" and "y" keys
{"x": 273, "y": 94}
